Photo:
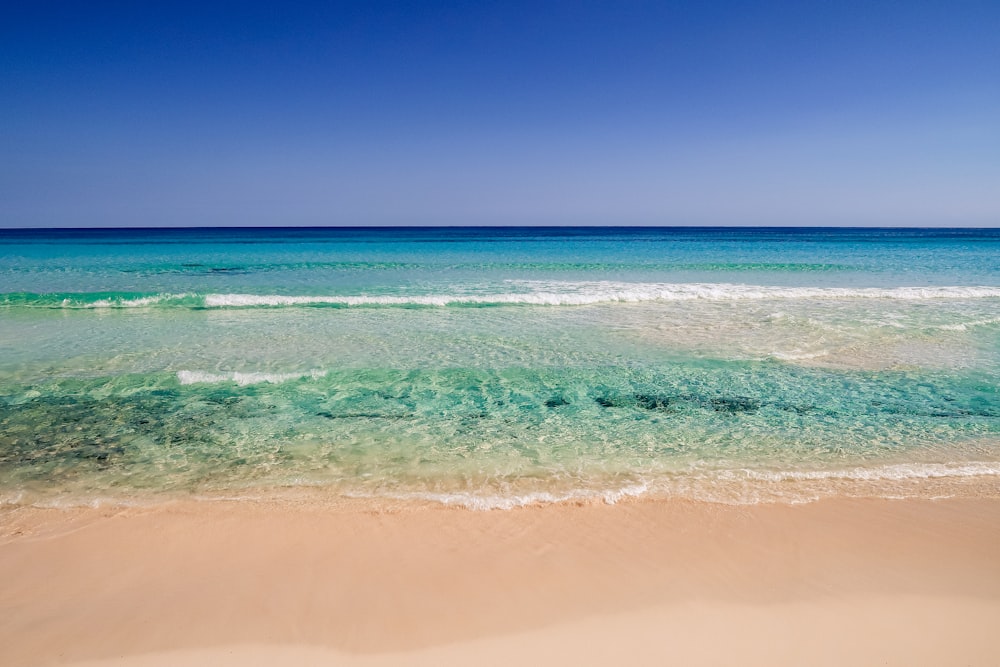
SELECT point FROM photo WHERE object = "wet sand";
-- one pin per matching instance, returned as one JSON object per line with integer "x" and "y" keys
{"x": 649, "y": 582}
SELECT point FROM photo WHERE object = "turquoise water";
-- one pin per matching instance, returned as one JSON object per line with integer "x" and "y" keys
{"x": 498, "y": 367}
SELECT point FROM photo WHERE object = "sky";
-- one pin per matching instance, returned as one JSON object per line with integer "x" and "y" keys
{"x": 499, "y": 113}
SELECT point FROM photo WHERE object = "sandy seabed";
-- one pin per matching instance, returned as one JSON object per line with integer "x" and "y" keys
{"x": 846, "y": 581}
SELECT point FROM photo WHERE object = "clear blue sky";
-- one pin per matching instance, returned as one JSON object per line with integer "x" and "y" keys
{"x": 371, "y": 113}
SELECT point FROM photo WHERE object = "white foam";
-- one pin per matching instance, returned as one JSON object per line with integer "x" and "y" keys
{"x": 486, "y": 502}
{"x": 896, "y": 472}
{"x": 15, "y": 497}
{"x": 251, "y": 300}
{"x": 243, "y": 379}
{"x": 139, "y": 302}
{"x": 965, "y": 326}
{"x": 620, "y": 291}
{"x": 554, "y": 293}
{"x": 799, "y": 355}
{"x": 93, "y": 502}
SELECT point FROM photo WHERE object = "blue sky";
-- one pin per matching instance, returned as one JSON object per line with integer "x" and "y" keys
{"x": 372, "y": 113}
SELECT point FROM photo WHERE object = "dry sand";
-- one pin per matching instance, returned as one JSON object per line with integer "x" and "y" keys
{"x": 655, "y": 582}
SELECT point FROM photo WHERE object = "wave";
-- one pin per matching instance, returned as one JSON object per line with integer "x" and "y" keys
{"x": 126, "y": 302}
{"x": 243, "y": 379}
{"x": 965, "y": 326}
{"x": 99, "y": 300}
{"x": 735, "y": 486}
{"x": 739, "y": 486}
{"x": 538, "y": 293}
{"x": 706, "y": 486}
{"x": 895, "y": 472}
{"x": 484, "y": 502}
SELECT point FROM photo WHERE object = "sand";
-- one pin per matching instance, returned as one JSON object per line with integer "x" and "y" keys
{"x": 843, "y": 581}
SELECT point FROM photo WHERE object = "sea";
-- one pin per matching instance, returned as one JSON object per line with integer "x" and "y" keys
{"x": 493, "y": 368}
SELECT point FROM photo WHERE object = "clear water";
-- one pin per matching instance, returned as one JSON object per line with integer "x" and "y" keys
{"x": 497, "y": 367}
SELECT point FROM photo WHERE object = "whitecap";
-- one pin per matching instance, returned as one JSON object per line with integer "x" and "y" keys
{"x": 554, "y": 293}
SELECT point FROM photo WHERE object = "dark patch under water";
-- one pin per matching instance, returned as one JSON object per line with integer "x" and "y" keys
{"x": 137, "y": 429}
{"x": 669, "y": 403}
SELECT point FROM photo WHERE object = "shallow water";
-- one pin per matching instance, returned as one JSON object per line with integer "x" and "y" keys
{"x": 492, "y": 368}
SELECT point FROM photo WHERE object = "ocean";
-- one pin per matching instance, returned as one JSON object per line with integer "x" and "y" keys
{"x": 498, "y": 367}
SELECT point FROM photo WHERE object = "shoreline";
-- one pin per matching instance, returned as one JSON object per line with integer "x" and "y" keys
{"x": 188, "y": 582}
{"x": 896, "y": 480}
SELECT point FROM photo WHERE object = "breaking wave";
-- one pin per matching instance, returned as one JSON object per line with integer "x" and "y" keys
{"x": 539, "y": 293}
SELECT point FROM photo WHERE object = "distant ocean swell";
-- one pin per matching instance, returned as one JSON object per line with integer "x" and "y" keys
{"x": 541, "y": 293}
{"x": 217, "y": 270}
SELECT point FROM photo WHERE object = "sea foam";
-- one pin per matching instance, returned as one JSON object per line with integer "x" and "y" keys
{"x": 512, "y": 292}
{"x": 243, "y": 379}
{"x": 489, "y": 501}
{"x": 584, "y": 293}
{"x": 139, "y": 302}
{"x": 895, "y": 472}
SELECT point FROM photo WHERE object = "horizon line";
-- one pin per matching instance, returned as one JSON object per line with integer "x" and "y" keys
{"x": 495, "y": 227}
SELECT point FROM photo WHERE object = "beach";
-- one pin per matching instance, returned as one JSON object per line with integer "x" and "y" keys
{"x": 858, "y": 581}
{"x": 456, "y": 334}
